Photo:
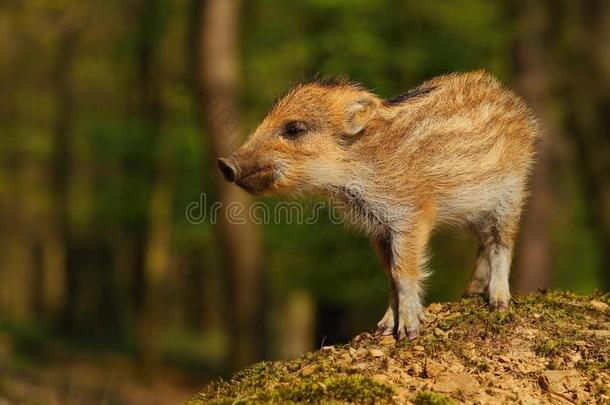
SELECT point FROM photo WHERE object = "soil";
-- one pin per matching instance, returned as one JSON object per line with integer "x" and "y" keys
{"x": 551, "y": 347}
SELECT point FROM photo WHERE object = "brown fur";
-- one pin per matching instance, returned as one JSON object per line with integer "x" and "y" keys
{"x": 457, "y": 149}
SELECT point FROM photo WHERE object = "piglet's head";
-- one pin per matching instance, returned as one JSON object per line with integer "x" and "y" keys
{"x": 303, "y": 140}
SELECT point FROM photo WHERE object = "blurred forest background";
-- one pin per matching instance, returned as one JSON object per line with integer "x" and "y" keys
{"x": 112, "y": 115}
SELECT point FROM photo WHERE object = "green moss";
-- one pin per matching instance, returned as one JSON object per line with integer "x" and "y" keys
{"x": 432, "y": 344}
{"x": 356, "y": 389}
{"x": 593, "y": 367}
{"x": 482, "y": 366}
{"x": 432, "y": 398}
{"x": 553, "y": 347}
{"x": 347, "y": 389}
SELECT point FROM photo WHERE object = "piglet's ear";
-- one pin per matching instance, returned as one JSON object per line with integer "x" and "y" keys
{"x": 358, "y": 114}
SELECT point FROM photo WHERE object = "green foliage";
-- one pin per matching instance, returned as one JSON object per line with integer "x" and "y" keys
{"x": 432, "y": 398}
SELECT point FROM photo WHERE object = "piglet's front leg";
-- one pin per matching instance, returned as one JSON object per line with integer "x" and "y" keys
{"x": 408, "y": 272}
{"x": 410, "y": 310}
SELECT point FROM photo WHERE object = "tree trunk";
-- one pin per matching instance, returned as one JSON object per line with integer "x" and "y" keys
{"x": 159, "y": 226}
{"x": 16, "y": 247}
{"x": 297, "y": 325}
{"x": 18, "y": 266}
{"x": 533, "y": 260}
{"x": 240, "y": 240}
{"x": 583, "y": 81}
{"x": 589, "y": 104}
{"x": 57, "y": 235}
{"x": 156, "y": 265}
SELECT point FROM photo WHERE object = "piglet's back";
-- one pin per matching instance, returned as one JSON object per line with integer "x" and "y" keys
{"x": 467, "y": 126}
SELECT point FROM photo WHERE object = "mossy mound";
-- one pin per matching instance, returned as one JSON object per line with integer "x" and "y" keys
{"x": 547, "y": 348}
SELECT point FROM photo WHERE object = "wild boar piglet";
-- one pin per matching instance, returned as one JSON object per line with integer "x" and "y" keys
{"x": 457, "y": 149}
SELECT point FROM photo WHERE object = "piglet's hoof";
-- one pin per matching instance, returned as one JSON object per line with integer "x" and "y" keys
{"x": 498, "y": 306}
{"x": 407, "y": 334}
{"x": 383, "y": 331}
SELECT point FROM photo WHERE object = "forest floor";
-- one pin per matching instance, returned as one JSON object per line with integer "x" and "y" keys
{"x": 547, "y": 348}
{"x": 72, "y": 376}
{"x": 85, "y": 380}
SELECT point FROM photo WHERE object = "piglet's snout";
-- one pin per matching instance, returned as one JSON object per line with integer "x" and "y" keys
{"x": 228, "y": 168}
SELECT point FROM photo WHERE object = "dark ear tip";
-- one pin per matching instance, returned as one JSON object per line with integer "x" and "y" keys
{"x": 228, "y": 169}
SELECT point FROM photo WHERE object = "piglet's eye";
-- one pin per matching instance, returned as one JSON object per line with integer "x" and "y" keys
{"x": 293, "y": 129}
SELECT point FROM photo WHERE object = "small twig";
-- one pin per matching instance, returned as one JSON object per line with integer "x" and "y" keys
{"x": 556, "y": 394}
